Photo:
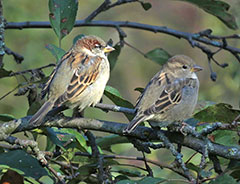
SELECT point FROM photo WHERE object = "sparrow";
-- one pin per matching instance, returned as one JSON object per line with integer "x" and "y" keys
{"x": 79, "y": 78}
{"x": 170, "y": 96}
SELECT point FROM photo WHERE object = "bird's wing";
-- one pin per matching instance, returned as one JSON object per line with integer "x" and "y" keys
{"x": 147, "y": 99}
{"x": 86, "y": 70}
{"x": 170, "y": 96}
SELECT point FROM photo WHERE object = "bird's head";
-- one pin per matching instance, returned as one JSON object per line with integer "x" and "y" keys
{"x": 182, "y": 66}
{"x": 93, "y": 46}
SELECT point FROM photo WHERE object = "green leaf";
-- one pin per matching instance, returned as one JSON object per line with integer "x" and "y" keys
{"x": 158, "y": 55}
{"x": 56, "y": 51}
{"x": 218, "y": 113}
{"x": 146, "y": 6}
{"x": 24, "y": 162}
{"x": 76, "y": 38}
{"x": 218, "y": 9}
{"x": 62, "y": 16}
{"x": 61, "y": 136}
{"x": 223, "y": 179}
{"x": 113, "y": 56}
{"x": 80, "y": 139}
{"x": 4, "y": 73}
{"x": 197, "y": 169}
{"x": 150, "y": 180}
{"x": 46, "y": 179}
{"x": 226, "y": 137}
{"x": 114, "y": 95}
{"x": 106, "y": 142}
{"x": 127, "y": 172}
{"x": 6, "y": 117}
{"x": 203, "y": 105}
{"x": 54, "y": 136}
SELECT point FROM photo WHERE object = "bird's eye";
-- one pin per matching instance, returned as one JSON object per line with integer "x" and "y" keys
{"x": 184, "y": 67}
{"x": 97, "y": 46}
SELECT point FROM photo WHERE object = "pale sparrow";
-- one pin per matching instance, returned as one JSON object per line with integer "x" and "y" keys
{"x": 170, "y": 96}
{"x": 79, "y": 78}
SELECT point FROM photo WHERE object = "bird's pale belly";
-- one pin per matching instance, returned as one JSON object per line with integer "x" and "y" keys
{"x": 92, "y": 94}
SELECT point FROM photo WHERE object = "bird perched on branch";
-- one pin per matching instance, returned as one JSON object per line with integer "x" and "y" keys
{"x": 170, "y": 96}
{"x": 79, "y": 78}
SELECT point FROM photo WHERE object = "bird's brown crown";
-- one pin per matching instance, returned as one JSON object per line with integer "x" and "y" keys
{"x": 90, "y": 42}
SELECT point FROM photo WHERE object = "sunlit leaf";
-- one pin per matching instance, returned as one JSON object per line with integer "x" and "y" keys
{"x": 158, "y": 55}
{"x": 225, "y": 137}
{"x": 21, "y": 160}
{"x": 80, "y": 138}
{"x": 218, "y": 113}
{"x": 113, "y": 56}
{"x": 114, "y": 95}
{"x": 47, "y": 179}
{"x": 62, "y": 16}
{"x": 193, "y": 167}
{"x": 56, "y": 51}
{"x": 217, "y": 8}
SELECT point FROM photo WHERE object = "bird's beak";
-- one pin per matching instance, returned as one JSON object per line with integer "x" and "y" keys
{"x": 196, "y": 68}
{"x": 108, "y": 49}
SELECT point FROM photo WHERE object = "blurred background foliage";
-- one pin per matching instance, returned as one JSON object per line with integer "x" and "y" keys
{"x": 132, "y": 69}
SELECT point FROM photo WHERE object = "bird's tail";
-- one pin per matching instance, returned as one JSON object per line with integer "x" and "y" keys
{"x": 133, "y": 124}
{"x": 41, "y": 113}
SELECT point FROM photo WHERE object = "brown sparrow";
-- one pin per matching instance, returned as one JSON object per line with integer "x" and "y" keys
{"x": 79, "y": 78}
{"x": 170, "y": 96}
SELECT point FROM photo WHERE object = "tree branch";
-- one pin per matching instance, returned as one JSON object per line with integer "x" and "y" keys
{"x": 143, "y": 133}
{"x": 192, "y": 38}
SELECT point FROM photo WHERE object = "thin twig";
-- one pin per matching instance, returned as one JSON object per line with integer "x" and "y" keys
{"x": 8, "y": 93}
{"x": 96, "y": 154}
{"x": 149, "y": 170}
{"x": 106, "y": 5}
{"x": 18, "y": 58}
{"x": 136, "y": 49}
{"x": 101, "y": 8}
{"x": 31, "y": 70}
{"x": 154, "y": 162}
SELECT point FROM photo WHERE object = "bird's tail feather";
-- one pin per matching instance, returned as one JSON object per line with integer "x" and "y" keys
{"x": 41, "y": 113}
{"x": 133, "y": 124}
